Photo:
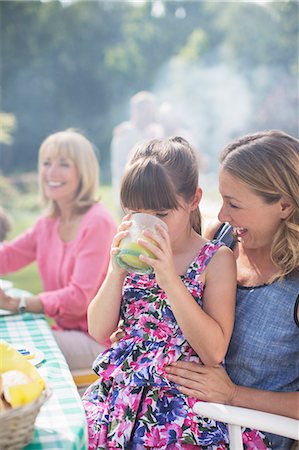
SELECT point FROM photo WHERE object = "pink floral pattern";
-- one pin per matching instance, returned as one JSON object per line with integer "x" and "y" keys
{"x": 133, "y": 405}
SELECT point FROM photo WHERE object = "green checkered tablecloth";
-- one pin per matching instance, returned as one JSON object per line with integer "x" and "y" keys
{"x": 61, "y": 420}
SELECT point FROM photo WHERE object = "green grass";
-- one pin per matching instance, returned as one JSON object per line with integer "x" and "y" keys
{"x": 107, "y": 199}
{"x": 27, "y": 278}
{"x": 24, "y": 213}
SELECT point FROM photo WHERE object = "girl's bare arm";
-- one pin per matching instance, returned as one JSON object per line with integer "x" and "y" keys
{"x": 208, "y": 329}
{"x": 104, "y": 310}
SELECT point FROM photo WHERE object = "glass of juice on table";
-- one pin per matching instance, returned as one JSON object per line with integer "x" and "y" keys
{"x": 130, "y": 250}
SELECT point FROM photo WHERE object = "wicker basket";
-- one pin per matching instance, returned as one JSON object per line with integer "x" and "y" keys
{"x": 17, "y": 424}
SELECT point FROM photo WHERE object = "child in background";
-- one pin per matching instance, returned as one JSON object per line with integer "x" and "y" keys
{"x": 182, "y": 311}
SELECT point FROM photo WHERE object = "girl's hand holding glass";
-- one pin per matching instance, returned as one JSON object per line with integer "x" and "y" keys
{"x": 161, "y": 262}
{"x": 145, "y": 229}
{"x": 122, "y": 233}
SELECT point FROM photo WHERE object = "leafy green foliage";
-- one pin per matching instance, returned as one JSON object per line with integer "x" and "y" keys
{"x": 78, "y": 65}
{"x": 7, "y": 192}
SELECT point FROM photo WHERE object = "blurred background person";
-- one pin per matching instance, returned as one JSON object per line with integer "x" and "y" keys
{"x": 141, "y": 126}
{"x": 171, "y": 120}
{"x": 70, "y": 243}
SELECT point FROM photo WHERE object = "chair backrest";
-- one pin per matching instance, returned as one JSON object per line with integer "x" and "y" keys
{"x": 237, "y": 417}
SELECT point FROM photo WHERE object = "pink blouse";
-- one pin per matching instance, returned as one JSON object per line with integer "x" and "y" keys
{"x": 71, "y": 272}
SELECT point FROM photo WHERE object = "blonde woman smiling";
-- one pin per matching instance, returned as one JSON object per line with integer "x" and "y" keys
{"x": 70, "y": 243}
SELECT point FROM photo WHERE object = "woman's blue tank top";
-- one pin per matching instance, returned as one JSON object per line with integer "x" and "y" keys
{"x": 264, "y": 348}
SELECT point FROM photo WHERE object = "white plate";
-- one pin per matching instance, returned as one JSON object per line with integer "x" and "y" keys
{"x": 5, "y": 284}
{"x": 37, "y": 356}
{"x": 6, "y": 312}
{"x": 16, "y": 292}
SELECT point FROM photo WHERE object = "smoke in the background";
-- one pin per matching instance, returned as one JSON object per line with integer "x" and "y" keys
{"x": 218, "y": 104}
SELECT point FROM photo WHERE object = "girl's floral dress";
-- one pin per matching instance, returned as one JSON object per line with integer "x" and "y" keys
{"x": 133, "y": 405}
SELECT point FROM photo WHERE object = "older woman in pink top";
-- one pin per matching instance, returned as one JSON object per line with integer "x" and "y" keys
{"x": 71, "y": 244}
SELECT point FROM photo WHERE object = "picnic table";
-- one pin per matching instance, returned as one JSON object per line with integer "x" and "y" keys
{"x": 61, "y": 421}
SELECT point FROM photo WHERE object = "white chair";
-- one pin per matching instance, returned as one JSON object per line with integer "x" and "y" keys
{"x": 236, "y": 418}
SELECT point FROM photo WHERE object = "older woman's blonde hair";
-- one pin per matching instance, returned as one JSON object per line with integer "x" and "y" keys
{"x": 268, "y": 162}
{"x": 73, "y": 145}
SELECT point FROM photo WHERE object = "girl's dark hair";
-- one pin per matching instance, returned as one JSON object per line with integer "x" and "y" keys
{"x": 160, "y": 173}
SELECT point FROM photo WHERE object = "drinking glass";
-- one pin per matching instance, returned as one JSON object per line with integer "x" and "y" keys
{"x": 130, "y": 250}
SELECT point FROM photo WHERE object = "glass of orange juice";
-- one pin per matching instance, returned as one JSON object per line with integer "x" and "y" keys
{"x": 130, "y": 250}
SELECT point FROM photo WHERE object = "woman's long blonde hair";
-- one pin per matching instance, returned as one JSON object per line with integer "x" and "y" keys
{"x": 268, "y": 163}
{"x": 73, "y": 145}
